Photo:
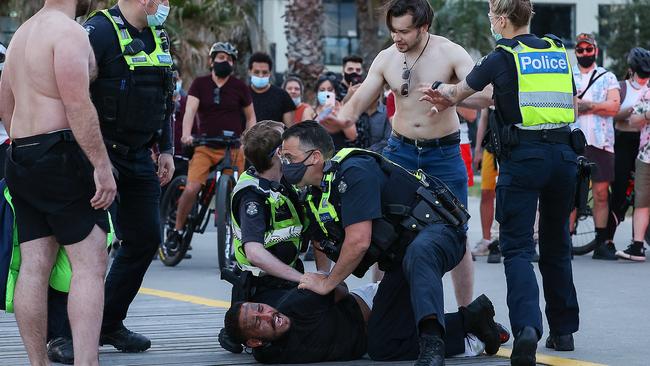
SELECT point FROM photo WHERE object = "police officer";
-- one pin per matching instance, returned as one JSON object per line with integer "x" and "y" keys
{"x": 133, "y": 96}
{"x": 414, "y": 233}
{"x": 534, "y": 98}
{"x": 267, "y": 224}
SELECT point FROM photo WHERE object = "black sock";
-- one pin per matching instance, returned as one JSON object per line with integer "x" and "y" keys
{"x": 638, "y": 244}
{"x": 601, "y": 234}
{"x": 430, "y": 327}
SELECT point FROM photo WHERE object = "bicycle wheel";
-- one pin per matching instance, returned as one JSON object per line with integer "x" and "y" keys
{"x": 225, "y": 250}
{"x": 171, "y": 255}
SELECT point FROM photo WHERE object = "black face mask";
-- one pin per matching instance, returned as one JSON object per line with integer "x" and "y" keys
{"x": 294, "y": 172}
{"x": 352, "y": 78}
{"x": 221, "y": 69}
{"x": 586, "y": 61}
{"x": 642, "y": 74}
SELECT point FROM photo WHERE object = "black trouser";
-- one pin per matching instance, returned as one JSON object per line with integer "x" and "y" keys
{"x": 3, "y": 156}
{"x": 137, "y": 222}
{"x": 626, "y": 148}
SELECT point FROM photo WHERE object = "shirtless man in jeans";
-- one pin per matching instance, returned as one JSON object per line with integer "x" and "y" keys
{"x": 58, "y": 173}
{"x": 421, "y": 140}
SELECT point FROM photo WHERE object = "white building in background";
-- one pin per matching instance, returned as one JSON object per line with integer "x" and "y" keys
{"x": 564, "y": 18}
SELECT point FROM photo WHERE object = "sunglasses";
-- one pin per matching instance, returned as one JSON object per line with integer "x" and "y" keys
{"x": 585, "y": 49}
{"x": 406, "y": 76}
{"x": 216, "y": 95}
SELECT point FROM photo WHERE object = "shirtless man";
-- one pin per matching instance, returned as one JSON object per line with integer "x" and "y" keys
{"x": 420, "y": 139}
{"x": 46, "y": 107}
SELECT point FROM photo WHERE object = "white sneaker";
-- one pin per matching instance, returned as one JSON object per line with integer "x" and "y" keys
{"x": 481, "y": 248}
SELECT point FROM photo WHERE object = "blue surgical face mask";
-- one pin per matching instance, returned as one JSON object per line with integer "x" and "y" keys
{"x": 260, "y": 83}
{"x": 497, "y": 36}
{"x": 322, "y": 97}
{"x": 159, "y": 17}
{"x": 178, "y": 87}
{"x": 296, "y": 100}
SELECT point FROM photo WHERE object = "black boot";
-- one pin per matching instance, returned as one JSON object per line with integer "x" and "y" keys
{"x": 478, "y": 319}
{"x": 560, "y": 342}
{"x": 524, "y": 348}
{"x": 60, "y": 350}
{"x": 432, "y": 351}
{"x": 228, "y": 344}
{"x": 125, "y": 340}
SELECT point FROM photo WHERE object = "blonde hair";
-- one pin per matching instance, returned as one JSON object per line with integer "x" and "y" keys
{"x": 518, "y": 11}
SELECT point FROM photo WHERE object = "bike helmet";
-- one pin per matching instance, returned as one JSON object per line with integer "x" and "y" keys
{"x": 225, "y": 47}
{"x": 3, "y": 51}
{"x": 639, "y": 60}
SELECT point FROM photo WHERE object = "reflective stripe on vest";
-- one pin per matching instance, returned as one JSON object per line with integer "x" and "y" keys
{"x": 157, "y": 58}
{"x": 288, "y": 230}
{"x": 545, "y": 83}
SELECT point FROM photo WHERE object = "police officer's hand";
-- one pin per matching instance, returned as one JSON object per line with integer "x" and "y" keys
{"x": 437, "y": 98}
{"x": 316, "y": 282}
{"x": 187, "y": 140}
{"x": 165, "y": 168}
{"x": 105, "y": 187}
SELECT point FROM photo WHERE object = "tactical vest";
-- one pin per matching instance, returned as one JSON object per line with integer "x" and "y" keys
{"x": 280, "y": 229}
{"x": 410, "y": 202}
{"x": 140, "y": 100}
{"x": 545, "y": 82}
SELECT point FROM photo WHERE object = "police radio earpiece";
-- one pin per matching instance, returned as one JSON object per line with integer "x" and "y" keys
{"x": 136, "y": 46}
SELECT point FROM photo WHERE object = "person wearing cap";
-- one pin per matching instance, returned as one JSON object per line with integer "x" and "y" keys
{"x": 133, "y": 95}
{"x": 534, "y": 100}
{"x": 4, "y": 137}
{"x": 219, "y": 99}
{"x": 599, "y": 102}
{"x": 626, "y": 142}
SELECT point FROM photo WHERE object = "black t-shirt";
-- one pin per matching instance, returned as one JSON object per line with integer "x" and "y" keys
{"x": 320, "y": 330}
{"x": 272, "y": 104}
{"x": 105, "y": 44}
{"x": 498, "y": 68}
{"x": 254, "y": 217}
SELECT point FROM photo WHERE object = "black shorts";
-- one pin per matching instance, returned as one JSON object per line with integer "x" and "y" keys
{"x": 51, "y": 184}
{"x": 604, "y": 161}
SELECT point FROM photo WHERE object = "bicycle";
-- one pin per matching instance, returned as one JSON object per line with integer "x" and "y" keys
{"x": 583, "y": 234}
{"x": 219, "y": 185}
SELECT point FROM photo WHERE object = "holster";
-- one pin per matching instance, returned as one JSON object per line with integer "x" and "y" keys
{"x": 582, "y": 185}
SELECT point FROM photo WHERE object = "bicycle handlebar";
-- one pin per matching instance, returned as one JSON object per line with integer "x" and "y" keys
{"x": 223, "y": 140}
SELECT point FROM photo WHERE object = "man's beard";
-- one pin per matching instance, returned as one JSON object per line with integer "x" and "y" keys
{"x": 83, "y": 8}
{"x": 418, "y": 38}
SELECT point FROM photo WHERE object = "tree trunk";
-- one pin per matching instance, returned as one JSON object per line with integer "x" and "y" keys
{"x": 368, "y": 18}
{"x": 303, "y": 29}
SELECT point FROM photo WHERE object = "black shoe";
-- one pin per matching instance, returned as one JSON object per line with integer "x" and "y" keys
{"x": 494, "y": 256}
{"x": 560, "y": 342}
{"x": 432, "y": 351}
{"x": 524, "y": 348}
{"x": 60, "y": 350}
{"x": 228, "y": 344}
{"x": 125, "y": 340}
{"x": 634, "y": 252}
{"x": 478, "y": 319}
{"x": 173, "y": 241}
{"x": 605, "y": 251}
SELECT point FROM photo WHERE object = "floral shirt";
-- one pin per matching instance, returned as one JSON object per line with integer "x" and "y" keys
{"x": 599, "y": 130}
{"x": 644, "y": 147}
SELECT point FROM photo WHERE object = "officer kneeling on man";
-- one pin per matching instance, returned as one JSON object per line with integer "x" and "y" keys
{"x": 372, "y": 210}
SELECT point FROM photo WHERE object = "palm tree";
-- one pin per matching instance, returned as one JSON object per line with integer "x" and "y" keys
{"x": 369, "y": 16}
{"x": 303, "y": 28}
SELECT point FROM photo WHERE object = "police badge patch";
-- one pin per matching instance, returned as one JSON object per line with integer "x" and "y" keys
{"x": 251, "y": 209}
{"x": 89, "y": 28}
{"x": 342, "y": 187}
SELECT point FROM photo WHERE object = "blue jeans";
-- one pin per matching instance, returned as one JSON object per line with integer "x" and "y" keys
{"x": 545, "y": 173}
{"x": 442, "y": 162}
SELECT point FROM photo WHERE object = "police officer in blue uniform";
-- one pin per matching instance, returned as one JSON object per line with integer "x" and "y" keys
{"x": 534, "y": 96}
{"x": 371, "y": 210}
{"x": 133, "y": 96}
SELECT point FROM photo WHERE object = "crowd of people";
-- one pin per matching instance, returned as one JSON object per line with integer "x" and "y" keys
{"x": 373, "y": 175}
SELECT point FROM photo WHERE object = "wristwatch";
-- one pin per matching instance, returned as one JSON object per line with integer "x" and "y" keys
{"x": 436, "y": 84}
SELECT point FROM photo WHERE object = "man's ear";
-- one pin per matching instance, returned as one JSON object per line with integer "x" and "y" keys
{"x": 254, "y": 343}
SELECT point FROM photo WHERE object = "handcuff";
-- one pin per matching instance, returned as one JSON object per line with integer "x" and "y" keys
{"x": 436, "y": 84}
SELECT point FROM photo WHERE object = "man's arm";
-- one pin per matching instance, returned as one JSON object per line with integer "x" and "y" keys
{"x": 639, "y": 120}
{"x": 480, "y": 134}
{"x": 354, "y": 247}
{"x": 71, "y": 56}
{"x": 367, "y": 93}
{"x": 267, "y": 262}
{"x": 287, "y": 118}
{"x": 6, "y": 102}
{"x": 608, "y": 108}
{"x": 249, "y": 113}
{"x": 191, "y": 106}
{"x": 446, "y": 95}
{"x": 463, "y": 65}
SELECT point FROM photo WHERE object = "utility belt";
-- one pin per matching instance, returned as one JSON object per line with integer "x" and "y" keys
{"x": 501, "y": 139}
{"x": 400, "y": 224}
{"x": 123, "y": 149}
